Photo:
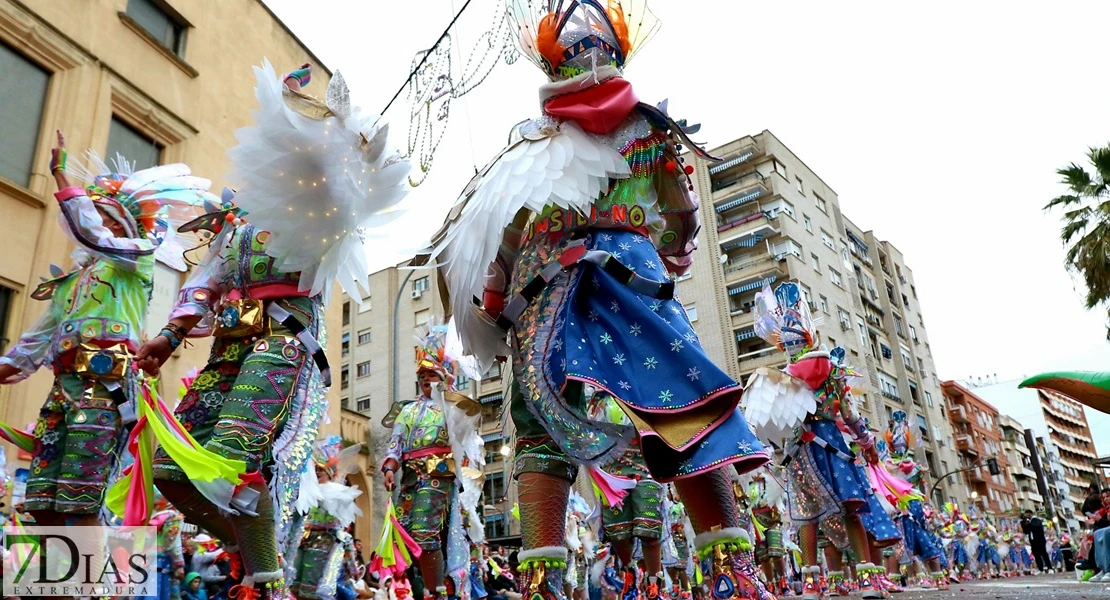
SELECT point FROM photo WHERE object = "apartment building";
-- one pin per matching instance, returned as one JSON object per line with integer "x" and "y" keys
{"x": 978, "y": 438}
{"x": 1020, "y": 459}
{"x": 1061, "y": 423}
{"x": 768, "y": 218}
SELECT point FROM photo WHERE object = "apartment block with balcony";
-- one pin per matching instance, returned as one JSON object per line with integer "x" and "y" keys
{"x": 1060, "y": 425}
{"x": 768, "y": 218}
{"x": 1020, "y": 458}
{"x": 979, "y": 437}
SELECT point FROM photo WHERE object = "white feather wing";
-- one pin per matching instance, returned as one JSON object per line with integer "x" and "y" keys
{"x": 565, "y": 168}
{"x": 320, "y": 187}
{"x": 775, "y": 403}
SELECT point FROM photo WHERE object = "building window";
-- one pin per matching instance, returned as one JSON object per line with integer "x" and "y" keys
{"x": 779, "y": 168}
{"x": 363, "y": 404}
{"x": 366, "y": 305}
{"x": 844, "y": 318}
{"x": 128, "y": 142}
{"x": 494, "y": 372}
{"x": 364, "y": 337}
{"x": 906, "y": 359}
{"x": 346, "y": 344}
{"x": 827, "y": 240}
{"x": 801, "y": 188}
{"x": 691, "y": 312}
{"x": 420, "y": 286}
{"x": 167, "y": 29}
{"x": 898, "y": 326}
{"x": 820, "y": 202}
{"x": 913, "y": 333}
{"x": 345, "y": 403}
{"x": 345, "y": 377}
{"x": 863, "y": 339}
{"x": 684, "y": 276}
{"x": 346, "y": 314}
{"x": 816, "y": 263}
{"x": 364, "y": 369}
{"x": 887, "y": 354}
{"x": 835, "y": 277}
{"x": 823, "y": 303}
{"x": 808, "y": 223}
{"x": 24, "y": 95}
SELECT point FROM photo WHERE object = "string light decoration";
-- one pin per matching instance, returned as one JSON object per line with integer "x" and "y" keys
{"x": 434, "y": 86}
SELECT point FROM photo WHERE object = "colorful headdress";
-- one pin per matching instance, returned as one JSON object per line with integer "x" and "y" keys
{"x": 330, "y": 454}
{"x": 566, "y": 38}
{"x": 431, "y": 354}
{"x": 899, "y": 436}
{"x": 782, "y": 318}
{"x": 149, "y": 203}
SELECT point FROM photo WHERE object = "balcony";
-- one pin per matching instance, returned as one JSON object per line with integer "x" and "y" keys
{"x": 753, "y": 272}
{"x": 734, "y": 159}
{"x": 766, "y": 357}
{"x": 738, "y": 191}
{"x": 742, "y": 319}
{"x": 958, "y": 413}
{"x": 977, "y": 475}
{"x": 747, "y": 231}
{"x": 965, "y": 444}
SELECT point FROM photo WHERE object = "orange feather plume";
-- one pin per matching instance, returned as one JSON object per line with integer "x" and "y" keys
{"x": 547, "y": 39}
{"x": 620, "y": 27}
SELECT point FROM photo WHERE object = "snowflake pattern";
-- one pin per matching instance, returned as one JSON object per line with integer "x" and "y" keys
{"x": 694, "y": 374}
{"x": 651, "y": 363}
{"x": 617, "y": 255}
{"x": 676, "y": 310}
{"x": 744, "y": 447}
{"x": 649, "y": 264}
{"x": 624, "y": 385}
{"x": 666, "y": 396}
{"x": 639, "y": 239}
{"x": 625, "y": 246}
{"x": 593, "y": 316}
{"x": 606, "y": 339}
{"x": 558, "y": 344}
{"x": 691, "y": 337}
{"x": 676, "y": 345}
{"x": 635, "y": 329}
{"x": 615, "y": 306}
{"x": 619, "y": 359}
{"x": 656, "y": 305}
{"x": 605, "y": 237}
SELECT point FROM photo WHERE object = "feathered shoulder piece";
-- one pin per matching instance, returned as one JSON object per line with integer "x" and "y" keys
{"x": 318, "y": 177}
{"x": 782, "y": 318}
{"x": 330, "y": 454}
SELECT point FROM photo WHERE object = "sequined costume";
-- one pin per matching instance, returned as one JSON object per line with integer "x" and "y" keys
{"x": 569, "y": 239}
{"x": 326, "y": 553}
{"x": 93, "y": 324}
{"x": 640, "y": 514}
{"x": 419, "y": 443}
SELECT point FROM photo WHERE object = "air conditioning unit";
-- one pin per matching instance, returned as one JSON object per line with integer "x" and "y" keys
{"x": 417, "y": 293}
{"x": 845, "y": 326}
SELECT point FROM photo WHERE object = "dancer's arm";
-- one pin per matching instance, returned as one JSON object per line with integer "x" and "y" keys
{"x": 84, "y": 224}
{"x": 32, "y": 350}
{"x": 858, "y": 427}
{"x": 497, "y": 276}
{"x": 395, "y": 448}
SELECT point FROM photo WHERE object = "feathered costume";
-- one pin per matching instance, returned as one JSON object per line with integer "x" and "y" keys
{"x": 94, "y": 323}
{"x": 326, "y": 552}
{"x": 806, "y": 403}
{"x": 435, "y": 445}
{"x": 315, "y": 181}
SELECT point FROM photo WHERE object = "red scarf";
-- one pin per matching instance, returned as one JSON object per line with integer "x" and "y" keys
{"x": 597, "y": 109}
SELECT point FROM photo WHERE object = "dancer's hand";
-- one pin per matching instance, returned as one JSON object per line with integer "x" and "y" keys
{"x": 153, "y": 355}
{"x": 388, "y": 479}
{"x": 58, "y": 162}
{"x": 871, "y": 455}
{"x": 7, "y": 372}
{"x": 299, "y": 78}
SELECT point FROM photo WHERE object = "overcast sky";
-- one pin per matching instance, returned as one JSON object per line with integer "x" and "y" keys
{"x": 940, "y": 126}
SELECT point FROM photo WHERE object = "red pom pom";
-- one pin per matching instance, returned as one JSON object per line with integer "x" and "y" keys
{"x": 217, "y": 228}
{"x": 689, "y": 169}
{"x": 670, "y": 166}
{"x": 229, "y": 217}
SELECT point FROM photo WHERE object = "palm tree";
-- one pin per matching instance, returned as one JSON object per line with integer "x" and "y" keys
{"x": 1086, "y": 219}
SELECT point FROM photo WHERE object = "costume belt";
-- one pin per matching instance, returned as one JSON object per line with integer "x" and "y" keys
{"x": 439, "y": 465}
{"x": 811, "y": 437}
{"x": 576, "y": 253}
{"x": 287, "y": 320}
{"x": 107, "y": 365}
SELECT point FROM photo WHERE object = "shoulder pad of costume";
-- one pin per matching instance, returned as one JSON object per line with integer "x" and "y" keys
{"x": 45, "y": 290}
{"x": 206, "y": 222}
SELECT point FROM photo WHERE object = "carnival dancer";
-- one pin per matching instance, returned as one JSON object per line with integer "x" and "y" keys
{"x": 569, "y": 239}
{"x": 638, "y": 516}
{"x": 766, "y": 496}
{"x": 806, "y": 403}
{"x": 307, "y": 172}
{"x": 93, "y": 324}
{"x": 582, "y": 544}
{"x": 679, "y": 571}
{"x": 429, "y": 454}
{"x": 171, "y": 558}
{"x": 326, "y": 552}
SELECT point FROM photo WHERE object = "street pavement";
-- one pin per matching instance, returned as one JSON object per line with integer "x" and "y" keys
{"x": 1060, "y": 586}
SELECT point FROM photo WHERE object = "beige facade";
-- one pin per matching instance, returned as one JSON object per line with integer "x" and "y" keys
{"x": 1020, "y": 460}
{"x": 176, "y": 95}
{"x": 768, "y": 218}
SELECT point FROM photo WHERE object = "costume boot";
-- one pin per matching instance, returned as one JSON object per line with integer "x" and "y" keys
{"x": 541, "y": 573}
{"x": 735, "y": 575}
{"x": 811, "y": 589}
{"x": 867, "y": 583}
{"x": 838, "y": 586}
{"x": 259, "y": 586}
{"x": 940, "y": 581}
